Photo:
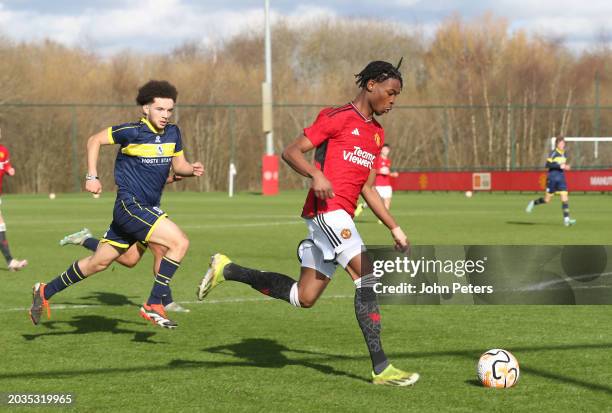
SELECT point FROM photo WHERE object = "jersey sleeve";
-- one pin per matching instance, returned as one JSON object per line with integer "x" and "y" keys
{"x": 122, "y": 134}
{"x": 322, "y": 129}
{"x": 178, "y": 147}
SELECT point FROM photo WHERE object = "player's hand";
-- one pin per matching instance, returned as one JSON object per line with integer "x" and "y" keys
{"x": 394, "y": 174}
{"x": 94, "y": 186}
{"x": 402, "y": 244}
{"x": 198, "y": 169}
{"x": 174, "y": 178}
{"x": 322, "y": 187}
{"x": 11, "y": 171}
{"x": 566, "y": 167}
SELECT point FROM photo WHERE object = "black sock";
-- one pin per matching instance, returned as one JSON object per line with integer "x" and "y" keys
{"x": 4, "y": 247}
{"x": 539, "y": 201}
{"x": 91, "y": 244}
{"x": 565, "y": 209}
{"x": 269, "y": 283}
{"x": 368, "y": 317}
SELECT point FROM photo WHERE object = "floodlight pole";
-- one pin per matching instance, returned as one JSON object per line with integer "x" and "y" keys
{"x": 268, "y": 81}
{"x": 269, "y": 168}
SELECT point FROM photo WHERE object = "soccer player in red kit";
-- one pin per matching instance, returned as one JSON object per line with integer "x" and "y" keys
{"x": 7, "y": 168}
{"x": 382, "y": 184}
{"x": 347, "y": 141}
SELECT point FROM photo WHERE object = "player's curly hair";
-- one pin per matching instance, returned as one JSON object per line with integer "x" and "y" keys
{"x": 379, "y": 71}
{"x": 155, "y": 89}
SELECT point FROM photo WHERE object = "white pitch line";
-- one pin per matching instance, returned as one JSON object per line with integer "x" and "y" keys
{"x": 220, "y": 301}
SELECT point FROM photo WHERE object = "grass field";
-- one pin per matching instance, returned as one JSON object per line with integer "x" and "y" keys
{"x": 242, "y": 352}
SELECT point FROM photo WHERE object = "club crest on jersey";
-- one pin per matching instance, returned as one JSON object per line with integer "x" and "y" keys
{"x": 346, "y": 233}
{"x": 1, "y": 155}
{"x": 359, "y": 157}
{"x": 377, "y": 139}
{"x": 160, "y": 150}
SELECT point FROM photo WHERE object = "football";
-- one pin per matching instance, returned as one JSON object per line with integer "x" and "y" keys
{"x": 468, "y": 194}
{"x": 498, "y": 368}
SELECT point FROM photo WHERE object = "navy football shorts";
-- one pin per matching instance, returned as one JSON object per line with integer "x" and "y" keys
{"x": 132, "y": 222}
{"x": 556, "y": 183}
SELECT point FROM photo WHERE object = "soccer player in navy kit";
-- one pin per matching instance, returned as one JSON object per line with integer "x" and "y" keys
{"x": 347, "y": 141}
{"x": 148, "y": 148}
{"x": 555, "y": 182}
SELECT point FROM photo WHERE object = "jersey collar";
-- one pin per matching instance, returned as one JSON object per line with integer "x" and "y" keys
{"x": 150, "y": 126}
{"x": 360, "y": 114}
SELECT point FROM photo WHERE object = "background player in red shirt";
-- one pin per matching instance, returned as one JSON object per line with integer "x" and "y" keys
{"x": 7, "y": 168}
{"x": 347, "y": 141}
{"x": 383, "y": 180}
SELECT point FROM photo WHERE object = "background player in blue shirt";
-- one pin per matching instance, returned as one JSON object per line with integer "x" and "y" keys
{"x": 555, "y": 183}
{"x": 148, "y": 148}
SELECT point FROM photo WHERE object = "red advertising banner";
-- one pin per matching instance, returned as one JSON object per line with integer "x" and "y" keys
{"x": 594, "y": 180}
{"x": 269, "y": 175}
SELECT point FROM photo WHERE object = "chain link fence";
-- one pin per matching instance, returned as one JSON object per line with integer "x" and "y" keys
{"x": 47, "y": 141}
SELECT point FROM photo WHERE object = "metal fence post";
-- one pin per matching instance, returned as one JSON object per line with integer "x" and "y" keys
{"x": 75, "y": 159}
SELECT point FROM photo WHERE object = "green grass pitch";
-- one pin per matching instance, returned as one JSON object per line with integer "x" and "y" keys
{"x": 243, "y": 352}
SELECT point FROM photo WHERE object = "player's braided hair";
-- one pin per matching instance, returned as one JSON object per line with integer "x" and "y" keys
{"x": 155, "y": 89}
{"x": 379, "y": 71}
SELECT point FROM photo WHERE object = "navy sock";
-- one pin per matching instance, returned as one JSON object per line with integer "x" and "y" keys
{"x": 167, "y": 299}
{"x": 71, "y": 276}
{"x": 565, "y": 208}
{"x": 91, "y": 244}
{"x": 539, "y": 201}
{"x": 167, "y": 268}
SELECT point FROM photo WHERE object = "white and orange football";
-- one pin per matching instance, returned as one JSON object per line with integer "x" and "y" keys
{"x": 498, "y": 368}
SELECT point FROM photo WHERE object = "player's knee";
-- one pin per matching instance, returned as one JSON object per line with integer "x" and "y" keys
{"x": 307, "y": 302}
{"x": 181, "y": 244}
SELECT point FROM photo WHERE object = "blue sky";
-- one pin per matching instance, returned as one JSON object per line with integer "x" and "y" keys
{"x": 110, "y": 26}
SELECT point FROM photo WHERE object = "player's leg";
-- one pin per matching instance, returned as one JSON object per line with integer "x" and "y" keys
{"x": 167, "y": 234}
{"x": 368, "y": 317}
{"x": 13, "y": 264}
{"x": 567, "y": 221}
{"x": 76, "y": 272}
{"x": 159, "y": 251}
{"x": 539, "y": 201}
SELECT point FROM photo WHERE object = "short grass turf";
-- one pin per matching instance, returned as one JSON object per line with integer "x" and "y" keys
{"x": 242, "y": 352}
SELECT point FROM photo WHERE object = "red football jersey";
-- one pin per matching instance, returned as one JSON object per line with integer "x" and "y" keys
{"x": 382, "y": 179}
{"x": 5, "y": 163}
{"x": 347, "y": 145}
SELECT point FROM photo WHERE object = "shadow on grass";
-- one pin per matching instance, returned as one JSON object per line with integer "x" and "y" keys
{"x": 473, "y": 382}
{"x": 520, "y": 223}
{"x": 88, "y": 324}
{"x": 104, "y": 298}
{"x": 266, "y": 353}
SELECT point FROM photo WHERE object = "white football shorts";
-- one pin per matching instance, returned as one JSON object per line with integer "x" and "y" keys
{"x": 332, "y": 239}
{"x": 384, "y": 191}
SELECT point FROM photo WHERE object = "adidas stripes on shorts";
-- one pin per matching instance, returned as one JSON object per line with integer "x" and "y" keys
{"x": 332, "y": 239}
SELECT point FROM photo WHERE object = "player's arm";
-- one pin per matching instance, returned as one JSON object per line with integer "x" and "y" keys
{"x": 93, "y": 151}
{"x": 377, "y": 206}
{"x": 182, "y": 167}
{"x": 294, "y": 156}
